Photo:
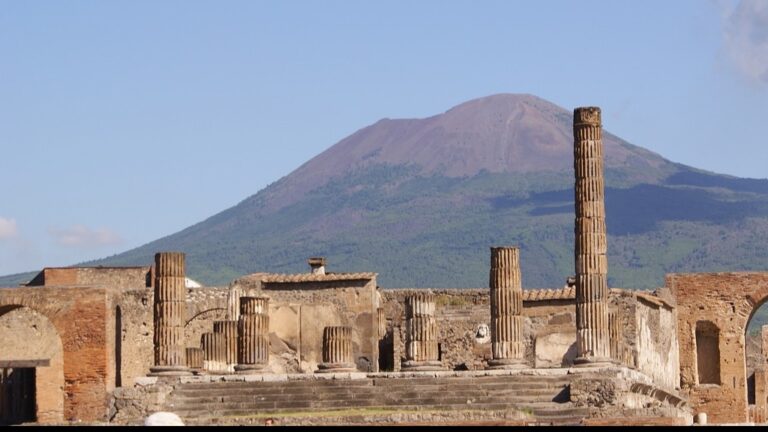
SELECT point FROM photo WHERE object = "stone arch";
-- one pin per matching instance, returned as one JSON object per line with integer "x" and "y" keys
{"x": 28, "y": 334}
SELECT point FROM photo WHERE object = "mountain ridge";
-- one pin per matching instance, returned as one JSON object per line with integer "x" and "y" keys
{"x": 420, "y": 201}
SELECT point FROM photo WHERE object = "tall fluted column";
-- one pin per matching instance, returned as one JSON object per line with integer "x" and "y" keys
{"x": 337, "y": 350}
{"x": 253, "y": 335}
{"x": 170, "y": 309}
{"x": 229, "y": 330}
{"x": 591, "y": 245}
{"x": 214, "y": 352}
{"x": 507, "y": 343}
{"x": 195, "y": 359}
{"x": 421, "y": 351}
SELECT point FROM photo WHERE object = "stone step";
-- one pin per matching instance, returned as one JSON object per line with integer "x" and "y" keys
{"x": 427, "y": 401}
{"x": 234, "y": 412}
{"x": 216, "y": 391}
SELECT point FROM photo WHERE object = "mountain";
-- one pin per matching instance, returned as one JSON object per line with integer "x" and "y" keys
{"x": 420, "y": 201}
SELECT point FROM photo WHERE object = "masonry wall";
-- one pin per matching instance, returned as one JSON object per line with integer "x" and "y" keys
{"x": 725, "y": 301}
{"x": 300, "y": 310}
{"x": 112, "y": 277}
{"x": 79, "y": 316}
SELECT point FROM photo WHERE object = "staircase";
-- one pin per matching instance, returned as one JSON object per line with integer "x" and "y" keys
{"x": 532, "y": 400}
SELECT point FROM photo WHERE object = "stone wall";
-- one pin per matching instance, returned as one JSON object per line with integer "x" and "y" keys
{"x": 722, "y": 304}
{"x": 302, "y": 305}
{"x": 656, "y": 346}
{"x": 111, "y": 277}
{"x": 79, "y": 316}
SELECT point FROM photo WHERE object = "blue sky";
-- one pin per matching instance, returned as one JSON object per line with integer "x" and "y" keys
{"x": 124, "y": 121}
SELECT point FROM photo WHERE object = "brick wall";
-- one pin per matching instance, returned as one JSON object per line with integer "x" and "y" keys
{"x": 727, "y": 301}
{"x": 79, "y": 316}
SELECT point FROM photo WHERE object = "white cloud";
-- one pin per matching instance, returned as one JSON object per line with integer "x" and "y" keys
{"x": 82, "y": 236}
{"x": 8, "y": 228}
{"x": 745, "y": 30}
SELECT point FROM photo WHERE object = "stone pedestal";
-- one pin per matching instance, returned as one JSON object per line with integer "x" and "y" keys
{"x": 337, "y": 350}
{"x": 214, "y": 347}
{"x": 170, "y": 308}
{"x": 421, "y": 351}
{"x": 228, "y": 328}
{"x": 592, "y": 334}
{"x": 253, "y": 336}
{"x": 195, "y": 359}
{"x": 507, "y": 343}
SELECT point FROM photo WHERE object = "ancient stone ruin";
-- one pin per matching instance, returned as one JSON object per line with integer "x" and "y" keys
{"x": 115, "y": 345}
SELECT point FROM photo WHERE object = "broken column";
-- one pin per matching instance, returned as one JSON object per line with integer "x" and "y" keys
{"x": 507, "y": 343}
{"x": 253, "y": 335}
{"x": 421, "y": 351}
{"x": 229, "y": 329}
{"x": 614, "y": 336}
{"x": 592, "y": 336}
{"x": 170, "y": 307}
{"x": 337, "y": 350}
{"x": 195, "y": 359}
{"x": 214, "y": 352}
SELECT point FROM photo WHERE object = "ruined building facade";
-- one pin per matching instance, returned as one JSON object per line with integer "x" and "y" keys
{"x": 115, "y": 344}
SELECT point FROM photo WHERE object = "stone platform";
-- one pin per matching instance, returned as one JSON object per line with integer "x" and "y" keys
{"x": 522, "y": 396}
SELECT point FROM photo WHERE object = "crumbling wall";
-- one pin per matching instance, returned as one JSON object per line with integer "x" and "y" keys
{"x": 79, "y": 315}
{"x": 725, "y": 301}
{"x": 656, "y": 352}
{"x": 299, "y": 311}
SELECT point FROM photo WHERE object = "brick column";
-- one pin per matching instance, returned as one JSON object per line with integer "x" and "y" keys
{"x": 337, "y": 350}
{"x": 421, "y": 352}
{"x": 170, "y": 310}
{"x": 229, "y": 329}
{"x": 214, "y": 352}
{"x": 507, "y": 344}
{"x": 592, "y": 338}
{"x": 195, "y": 359}
{"x": 253, "y": 335}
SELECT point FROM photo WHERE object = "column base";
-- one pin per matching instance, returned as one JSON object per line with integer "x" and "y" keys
{"x": 336, "y": 367}
{"x": 417, "y": 366}
{"x": 586, "y": 362}
{"x": 507, "y": 364}
{"x": 169, "y": 371}
{"x": 249, "y": 369}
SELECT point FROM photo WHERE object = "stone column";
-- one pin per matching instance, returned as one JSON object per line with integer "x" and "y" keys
{"x": 420, "y": 334}
{"x": 214, "y": 352}
{"x": 507, "y": 343}
{"x": 170, "y": 310}
{"x": 253, "y": 335}
{"x": 229, "y": 329}
{"x": 195, "y": 359}
{"x": 337, "y": 350}
{"x": 614, "y": 336}
{"x": 592, "y": 338}
{"x": 233, "y": 302}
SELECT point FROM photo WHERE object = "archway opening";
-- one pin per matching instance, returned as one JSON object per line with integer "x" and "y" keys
{"x": 36, "y": 392}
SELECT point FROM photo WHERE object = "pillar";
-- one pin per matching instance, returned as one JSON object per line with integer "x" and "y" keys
{"x": 195, "y": 359}
{"x": 233, "y": 302}
{"x": 507, "y": 343}
{"x": 229, "y": 329}
{"x": 614, "y": 337}
{"x": 253, "y": 335}
{"x": 592, "y": 335}
{"x": 421, "y": 351}
{"x": 170, "y": 307}
{"x": 214, "y": 347}
{"x": 764, "y": 343}
{"x": 337, "y": 350}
